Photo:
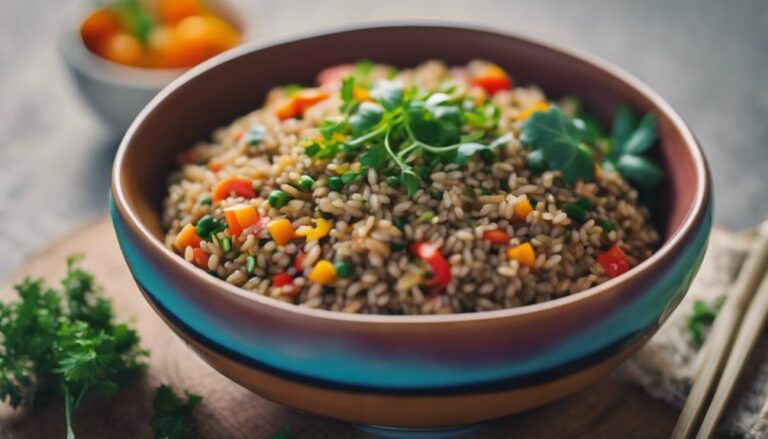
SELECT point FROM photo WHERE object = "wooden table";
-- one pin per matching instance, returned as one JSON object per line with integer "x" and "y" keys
{"x": 608, "y": 409}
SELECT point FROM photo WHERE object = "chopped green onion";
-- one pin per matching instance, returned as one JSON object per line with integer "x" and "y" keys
{"x": 575, "y": 211}
{"x": 343, "y": 269}
{"x": 607, "y": 225}
{"x": 226, "y": 244}
{"x": 427, "y": 216}
{"x": 206, "y": 202}
{"x": 250, "y": 264}
{"x": 278, "y": 198}
{"x": 305, "y": 183}
{"x": 335, "y": 184}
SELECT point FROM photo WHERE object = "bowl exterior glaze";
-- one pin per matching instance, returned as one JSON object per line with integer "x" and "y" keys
{"x": 403, "y": 371}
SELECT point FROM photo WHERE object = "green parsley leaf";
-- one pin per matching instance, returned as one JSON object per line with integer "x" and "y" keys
{"x": 375, "y": 157}
{"x": 640, "y": 171}
{"x": 388, "y": 93}
{"x": 642, "y": 137}
{"x": 366, "y": 117}
{"x": 283, "y": 433}
{"x": 352, "y": 175}
{"x": 561, "y": 140}
{"x": 410, "y": 181}
{"x": 623, "y": 125}
{"x": 62, "y": 344}
{"x": 702, "y": 317}
{"x": 172, "y": 414}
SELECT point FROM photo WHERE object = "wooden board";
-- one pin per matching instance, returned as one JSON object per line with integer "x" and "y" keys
{"x": 608, "y": 409}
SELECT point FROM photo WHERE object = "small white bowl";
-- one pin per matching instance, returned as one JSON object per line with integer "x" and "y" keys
{"x": 117, "y": 92}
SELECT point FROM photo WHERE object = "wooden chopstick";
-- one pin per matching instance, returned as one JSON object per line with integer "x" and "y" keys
{"x": 749, "y": 333}
{"x": 720, "y": 339}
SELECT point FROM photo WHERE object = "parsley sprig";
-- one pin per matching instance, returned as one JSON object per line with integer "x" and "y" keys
{"x": 402, "y": 128}
{"x": 172, "y": 414}
{"x": 63, "y": 344}
{"x": 701, "y": 318}
{"x": 573, "y": 145}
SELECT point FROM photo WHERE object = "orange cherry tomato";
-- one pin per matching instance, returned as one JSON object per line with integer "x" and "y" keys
{"x": 173, "y": 11}
{"x": 97, "y": 27}
{"x": 197, "y": 38}
{"x": 123, "y": 48}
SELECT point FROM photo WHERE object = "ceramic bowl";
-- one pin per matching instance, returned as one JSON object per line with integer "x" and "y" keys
{"x": 404, "y": 371}
{"x": 116, "y": 92}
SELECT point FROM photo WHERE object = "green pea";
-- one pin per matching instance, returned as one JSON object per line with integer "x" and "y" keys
{"x": 305, "y": 183}
{"x": 343, "y": 269}
{"x": 607, "y": 225}
{"x": 206, "y": 202}
{"x": 278, "y": 198}
{"x": 393, "y": 181}
{"x": 335, "y": 184}
{"x": 206, "y": 226}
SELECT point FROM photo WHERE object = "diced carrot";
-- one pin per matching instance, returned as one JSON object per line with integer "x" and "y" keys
{"x": 215, "y": 166}
{"x": 492, "y": 79}
{"x": 307, "y": 98}
{"x": 200, "y": 258}
{"x": 281, "y": 231}
{"x": 523, "y": 254}
{"x": 173, "y": 11}
{"x": 233, "y": 223}
{"x": 187, "y": 237}
{"x": 321, "y": 229}
{"x": 286, "y": 110}
{"x": 499, "y": 237}
{"x": 97, "y": 27}
{"x": 240, "y": 217}
{"x": 539, "y": 106}
{"x": 323, "y": 272}
{"x": 240, "y": 187}
{"x": 522, "y": 209}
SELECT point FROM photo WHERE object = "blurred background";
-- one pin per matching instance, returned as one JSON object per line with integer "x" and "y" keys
{"x": 707, "y": 58}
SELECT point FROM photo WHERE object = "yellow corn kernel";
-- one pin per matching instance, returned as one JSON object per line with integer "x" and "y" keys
{"x": 524, "y": 254}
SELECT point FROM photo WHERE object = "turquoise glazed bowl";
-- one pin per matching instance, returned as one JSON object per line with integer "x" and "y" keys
{"x": 404, "y": 371}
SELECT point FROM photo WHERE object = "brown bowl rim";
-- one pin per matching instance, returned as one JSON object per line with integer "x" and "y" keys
{"x": 678, "y": 237}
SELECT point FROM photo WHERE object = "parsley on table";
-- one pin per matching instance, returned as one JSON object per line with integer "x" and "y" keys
{"x": 63, "y": 343}
{"x": 404, "y": 127}
{"x": 702, "y": 317}
{"x": 172, "y": 415}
